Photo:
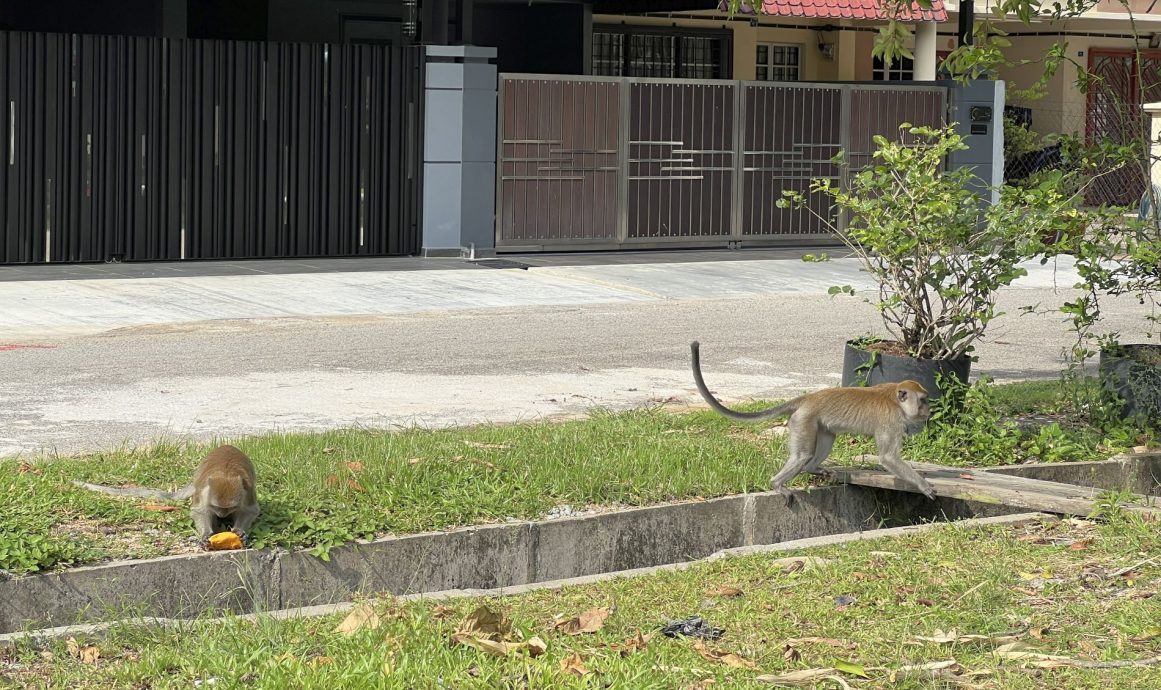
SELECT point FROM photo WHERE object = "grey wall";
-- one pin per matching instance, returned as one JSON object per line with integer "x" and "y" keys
{"x": 541, "y": 38}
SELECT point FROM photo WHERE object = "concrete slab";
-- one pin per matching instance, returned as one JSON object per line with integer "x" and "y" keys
{"x": 40, "y": 309}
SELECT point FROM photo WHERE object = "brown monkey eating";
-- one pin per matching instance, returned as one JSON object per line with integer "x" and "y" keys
{"x": 222, "y": 492}
{"x": 887, "y": 412}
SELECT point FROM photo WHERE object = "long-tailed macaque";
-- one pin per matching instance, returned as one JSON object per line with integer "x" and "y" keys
{"x": 888, "y": 412}
{"x": 222, "y": 492}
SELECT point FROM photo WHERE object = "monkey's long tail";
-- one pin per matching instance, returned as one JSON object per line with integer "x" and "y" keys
{"x": 140, "y": 492}
{"x": 779, "y": 411}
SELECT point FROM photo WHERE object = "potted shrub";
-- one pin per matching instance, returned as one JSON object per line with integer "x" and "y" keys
{"x": 1121, "y": 257}
{"x": 938, "y": 249}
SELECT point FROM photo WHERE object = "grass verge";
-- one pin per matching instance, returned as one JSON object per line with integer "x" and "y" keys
{"x": 1000, "y": 607}
{"x": 322, "y": 490}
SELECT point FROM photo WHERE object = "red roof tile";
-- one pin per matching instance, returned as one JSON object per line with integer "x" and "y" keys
{"x": 847, "y": 9}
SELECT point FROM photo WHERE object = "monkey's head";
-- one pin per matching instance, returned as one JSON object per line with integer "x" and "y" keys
{"x": 912, "y": 399}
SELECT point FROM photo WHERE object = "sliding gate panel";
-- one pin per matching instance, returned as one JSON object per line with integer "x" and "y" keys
{"x": 681, "y": 160}
{"x": 558, "y": 161}
{"x": 791, "y": 134}
{"x": 607, "y": 163}
{"x": 123, "y": 148}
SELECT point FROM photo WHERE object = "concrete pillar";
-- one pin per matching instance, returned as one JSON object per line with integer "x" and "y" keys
{"x": 926, "y": 58}
{"x": 459, "y": 151}
{"x": 977, "y": 108}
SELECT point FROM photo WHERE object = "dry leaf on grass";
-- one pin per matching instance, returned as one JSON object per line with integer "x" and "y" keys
{"x": 490, "y": 632}
{"x": 159, "y": 507}
{"x": 328, "y": 450}
{"x": 320, "y": 661}
{"x": 728, "y": 658}
{"x": 941, "y": 637}
{"x": 795, "y": 563}
{"x": 828, "y": 641}
{"x": 362, "y": 616}
{"x": 87, "y": 654}
{"x": 1148, "y": 634}
{"x": 588, "y": 622}
{"x": 25, "y": 468}
{"x": 442, "y": 612}
{"x": 1019, "y": 651}
{"x": 355, "y": 466}
{"x": 804, "y": 678}
{"x": 637, "y": 643}
{"x": 574, "y": 664}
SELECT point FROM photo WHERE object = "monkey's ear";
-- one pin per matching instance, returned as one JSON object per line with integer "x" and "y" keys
{"x": 902, "y": 394}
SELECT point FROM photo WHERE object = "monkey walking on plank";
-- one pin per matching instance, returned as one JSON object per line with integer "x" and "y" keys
{"x": 222, "y": 491}
{"x": 887, "y": 412}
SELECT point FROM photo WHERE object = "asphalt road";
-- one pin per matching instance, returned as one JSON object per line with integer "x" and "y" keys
{"x": 435, "y": 368}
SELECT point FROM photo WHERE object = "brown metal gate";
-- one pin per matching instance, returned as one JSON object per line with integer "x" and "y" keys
{"x": 123, "y": 148}
{"x": 604, "y": 163}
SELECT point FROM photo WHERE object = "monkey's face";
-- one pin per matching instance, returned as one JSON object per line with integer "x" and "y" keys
{"x": 913, "y": 400}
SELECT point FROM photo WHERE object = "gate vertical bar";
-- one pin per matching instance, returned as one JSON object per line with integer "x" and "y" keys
{"x": 623, "y": 139}
{"x": 500, "y": 125}
{"x": 844, "y": 171}
{"x": 739, "y": 148}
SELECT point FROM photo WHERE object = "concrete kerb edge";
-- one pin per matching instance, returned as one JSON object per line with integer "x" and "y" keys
{"x": 1014, "y": 520}
{"x": 500, "y": 557}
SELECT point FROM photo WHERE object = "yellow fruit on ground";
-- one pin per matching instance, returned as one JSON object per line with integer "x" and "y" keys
{"x": 225, "y": 541}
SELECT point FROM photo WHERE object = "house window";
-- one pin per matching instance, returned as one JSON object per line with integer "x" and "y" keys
{"x": 779, "y": 62}
{"x": 902, "y": 69}
{"x": 647, "y": 52}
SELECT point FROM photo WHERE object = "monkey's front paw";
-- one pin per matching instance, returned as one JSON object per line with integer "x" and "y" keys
{"x": 243, "y": 536}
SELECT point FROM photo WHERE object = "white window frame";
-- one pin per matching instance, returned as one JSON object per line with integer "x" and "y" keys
{"x": 777, "y": 72}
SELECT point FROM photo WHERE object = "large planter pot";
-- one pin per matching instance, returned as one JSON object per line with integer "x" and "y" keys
{"x": 863, "y": 367}
{"x": 1131, "y": 374}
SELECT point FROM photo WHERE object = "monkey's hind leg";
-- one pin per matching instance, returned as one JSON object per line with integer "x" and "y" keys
{"x": 822, "y": 445}
{"x": 889, "y": 458}
{"x": 803, "y": 441}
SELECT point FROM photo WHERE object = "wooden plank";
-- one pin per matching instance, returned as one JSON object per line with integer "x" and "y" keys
{"x": 1000, "y": 489}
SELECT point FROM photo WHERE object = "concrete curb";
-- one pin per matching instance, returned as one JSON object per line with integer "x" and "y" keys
{"x": 495, "y": 556}
{"x": 1015, "y": 520}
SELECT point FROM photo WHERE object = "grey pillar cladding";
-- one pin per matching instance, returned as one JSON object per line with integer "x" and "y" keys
{"x": 459, "y": 151}
{"x": 977, "y": 108}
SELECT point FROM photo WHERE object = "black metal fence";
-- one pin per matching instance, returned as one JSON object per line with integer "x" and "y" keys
{"x": 121, "y": 148}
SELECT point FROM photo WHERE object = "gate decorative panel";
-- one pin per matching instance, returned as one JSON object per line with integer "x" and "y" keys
{"x": 558, "y": 160}
{"x": 121, "y": 148}
{"x": 681, "y": 160}
{"x": 602, "y": 162}
{"x": 791, "y": 135}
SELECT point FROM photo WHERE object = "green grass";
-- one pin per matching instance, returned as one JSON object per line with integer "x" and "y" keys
{"x": 321, "y": 490}
{"x": 1052, "y": 586}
